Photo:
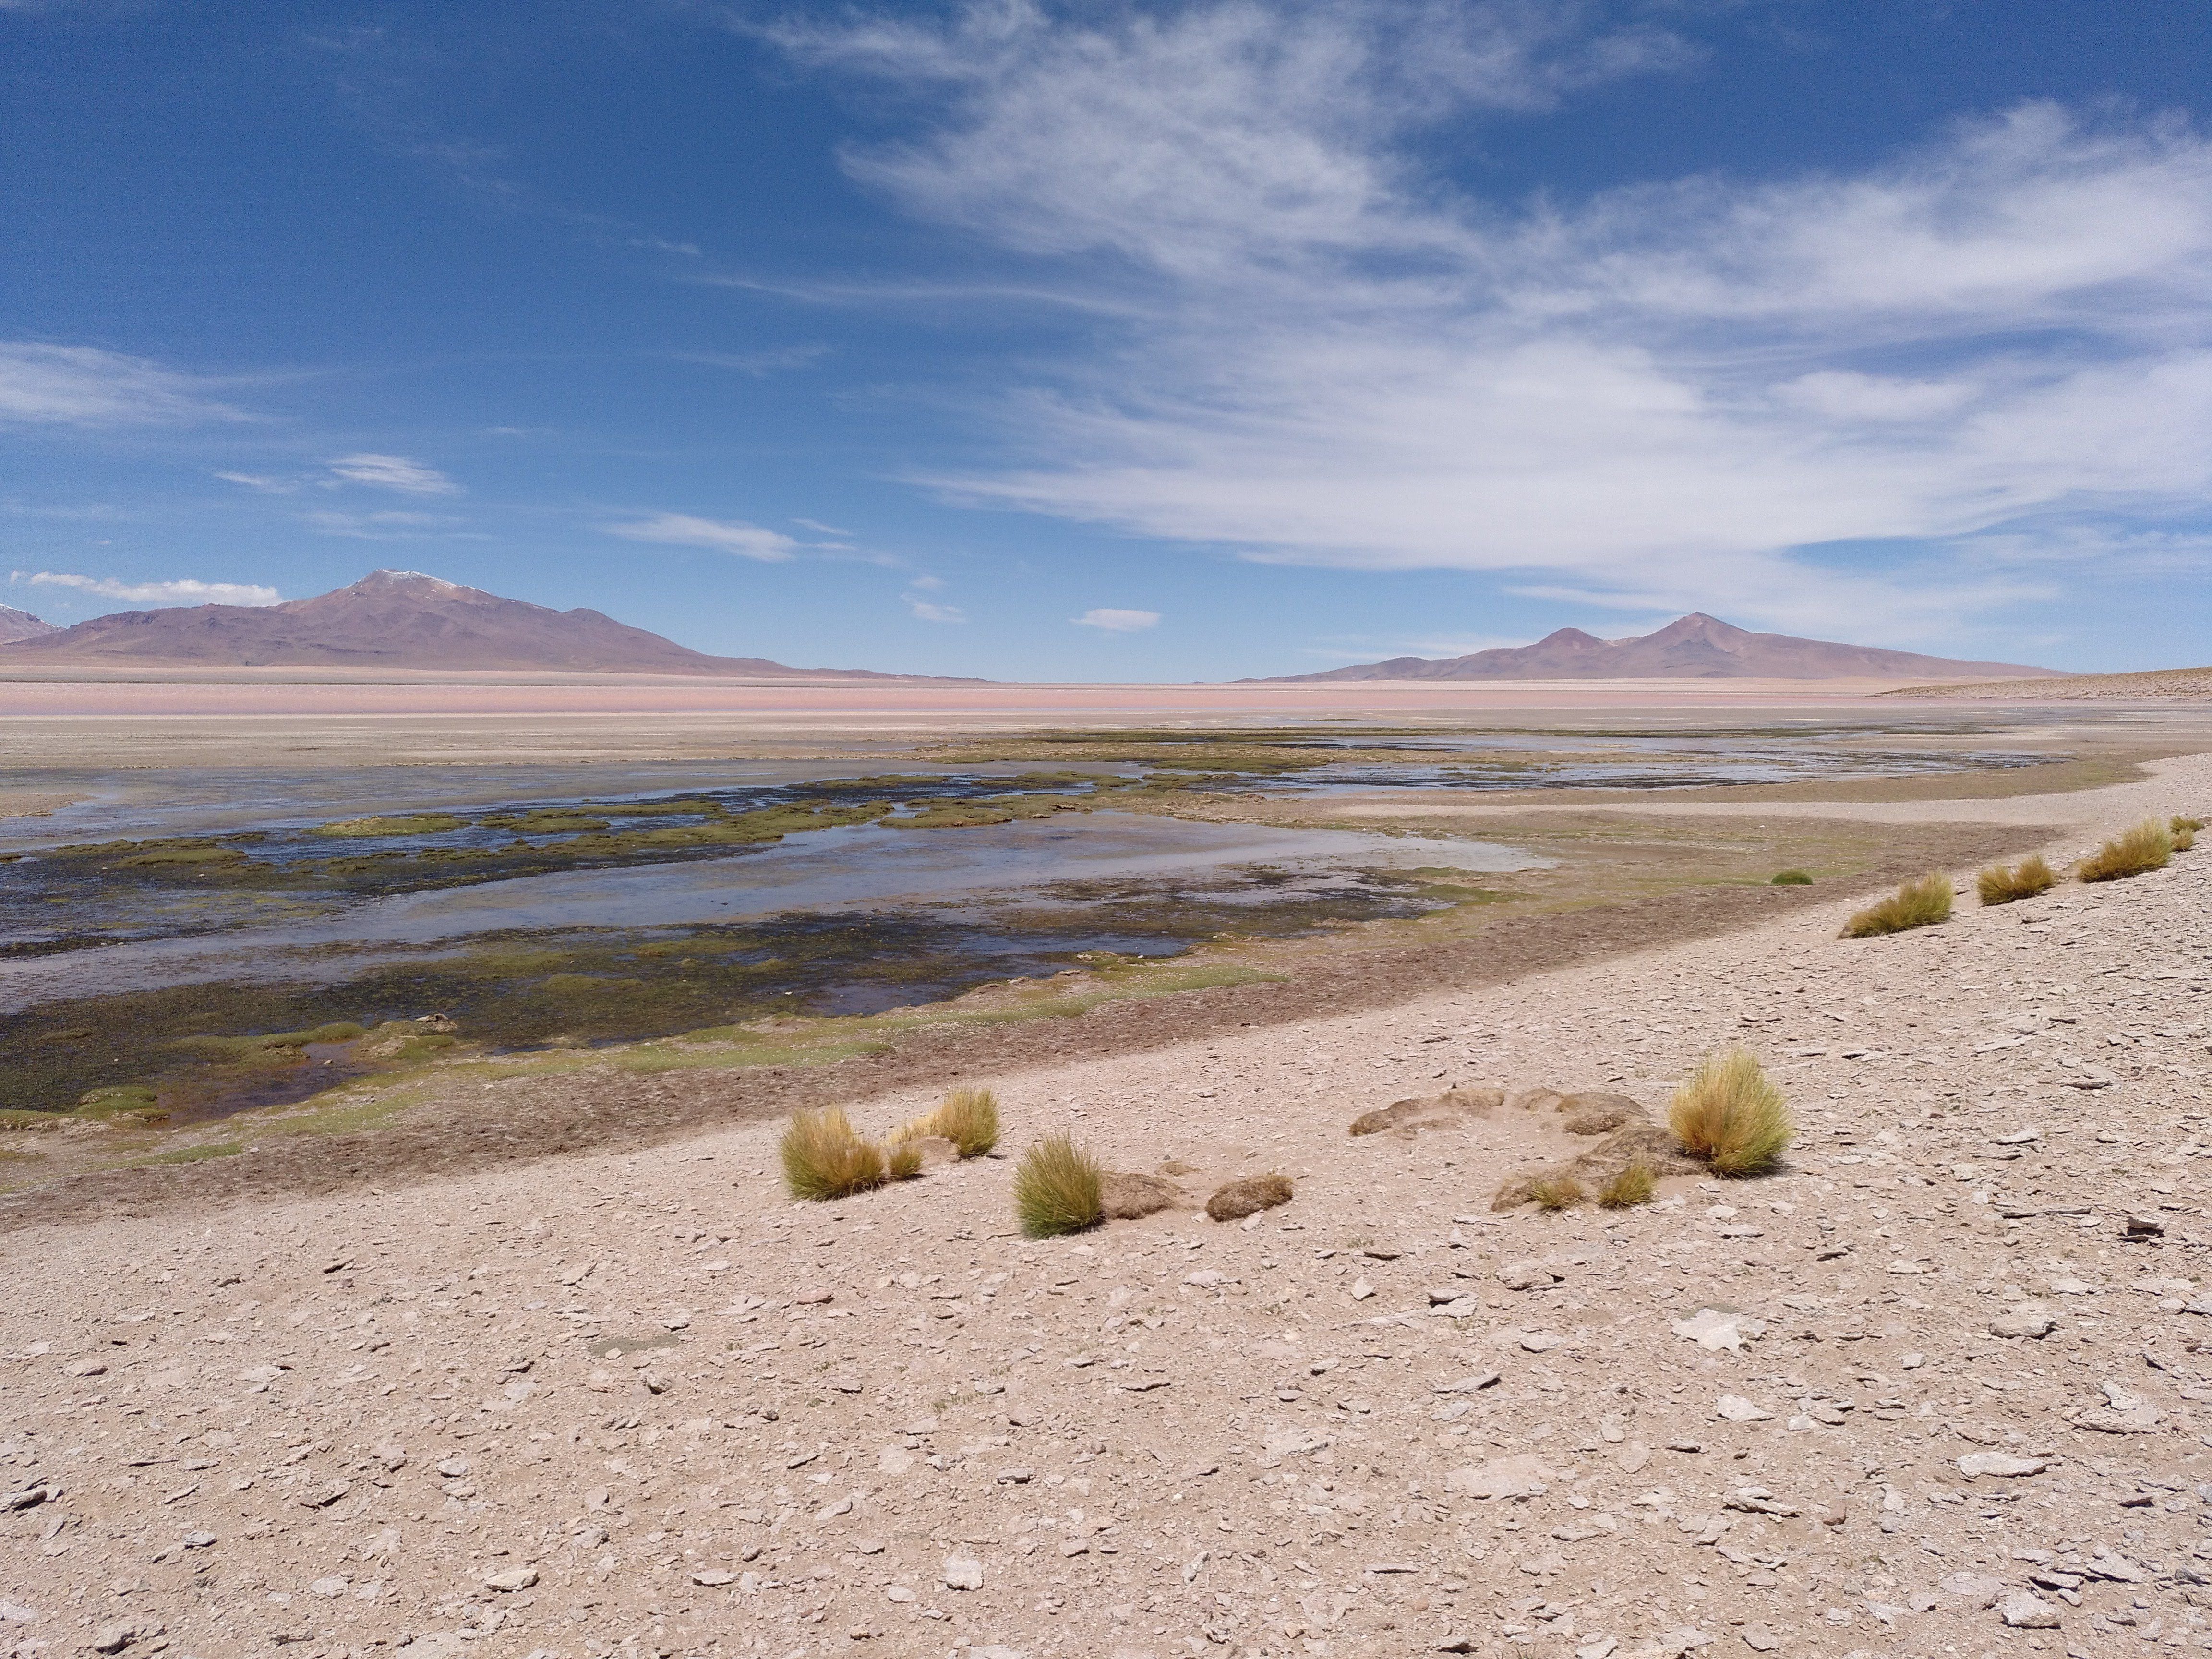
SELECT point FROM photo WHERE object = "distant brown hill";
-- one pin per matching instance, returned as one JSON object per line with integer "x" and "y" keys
{"x": 388, "y": 619}
{"x": 21, "y": 625}
{"x": 1695, "y": 646}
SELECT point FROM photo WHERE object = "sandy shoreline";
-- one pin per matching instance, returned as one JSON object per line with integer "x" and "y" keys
{"x": 636, "y": 1400}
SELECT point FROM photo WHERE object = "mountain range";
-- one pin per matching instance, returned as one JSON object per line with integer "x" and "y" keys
{"x": 388, "y": 619}
{"x": 21, "y": 625}
{"x": 1695, "y": 646}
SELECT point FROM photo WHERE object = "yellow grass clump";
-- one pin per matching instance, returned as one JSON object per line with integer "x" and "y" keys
{"x": 1921, "y": 902}
{"x": 2131, "y": 853}
{"x": 2000, "y": 883}
{"x": 2183, "y": 831}
{"x": 1634, "y": 1185}
{"x": 1558, "y": 1192}
{"x": 1056, "y": 1188}
{"x": 968, "y": 1118}
{"x": 824, "y": 1157}
{"x": 1731, "y": 1115}
{"x": 901, "y": 1160}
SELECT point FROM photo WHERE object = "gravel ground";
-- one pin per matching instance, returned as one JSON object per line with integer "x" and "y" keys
{"x": 1936, "y": 1388}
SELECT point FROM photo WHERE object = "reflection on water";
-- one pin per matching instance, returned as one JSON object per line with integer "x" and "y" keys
{"x": 859, "y": 866}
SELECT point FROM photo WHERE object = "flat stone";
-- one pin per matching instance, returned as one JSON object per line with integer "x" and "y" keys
{"x": 2023, "y": 1323}
{"x": 2021, "y": 1611}
{"x": 1976, "y": 1590}
{"x": 1737, "y": 1409}
{"x": 1526, "y": 1276}
{"x": 515, "y": 1578}
{"x": 1518, "y": 1477}
{"x": 962, "y": 1574}
{"x": 2004, "y": 1464}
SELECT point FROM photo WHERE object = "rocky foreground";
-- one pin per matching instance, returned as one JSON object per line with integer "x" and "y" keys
{"x": 1940, "y": 1386}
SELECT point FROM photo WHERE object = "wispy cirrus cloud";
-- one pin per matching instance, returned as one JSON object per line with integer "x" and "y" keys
{"x": 385, "y": 526}
{"x": 747, "y": 541}
{"x": 394, "y": 472}
{"x": 43, "y": 385}
{"x": 183, "y": 591}
{"x": 1110, "y": 620}
{"x": 1714, "y": 389}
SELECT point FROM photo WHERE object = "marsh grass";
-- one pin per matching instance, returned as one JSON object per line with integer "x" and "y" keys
{"x": 1633, "y": 1186}
{"x": 1731, "y": 1115}
{"x": 1789, "y": 879}
{"x": 2131, "y": 853}
{"x": 824, "y": 1157}
{"x": 968, "y": 1118}
{"x": 2002, "y": 883}
{"x": 1921, "y": 902}
{"x": 2183, "y": 832}
{"x": 1056, "y": 1188}
{"x": 1558, "y": 1192}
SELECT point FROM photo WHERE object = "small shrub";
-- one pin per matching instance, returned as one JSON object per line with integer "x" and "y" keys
{"x": 824, "y": 1157}
{"x": 1634, "y": 1185}
{"x": 1731, "y": 1115}
{"x": 2131, "y": 853}
{"x": 1254, "y": 1194}
{"x": 901, "y": 1160}
{"x": 1789, "y": 879}
{"x": 2002, "y": 884}
{"x": 968, "y": 1118}
{"x": 1556, "y": 1192}
{"x": 1921, "y": 902}
{"x": 2183, "y": 832}
{"x": 1056, "y": 1188}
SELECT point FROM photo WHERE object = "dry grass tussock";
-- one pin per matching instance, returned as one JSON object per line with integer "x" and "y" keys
{"x": 1731, "y": 1115}
{"x": 2131, "y": 853}
{"x": 968, "y": 1118}
{"x": 1254, "y": 1194}
{"x": 1056, "y": 1188}
{"x": 2000, "y": 883}
{"x": 1921, "y": 902}
{"x": 2183, "y": 831}
{"x": 1558, "y": 1192}
{"x": 824, "y": 1157}
{"x": 902, "y": 1160}
{"x": 1634, "y": 1185}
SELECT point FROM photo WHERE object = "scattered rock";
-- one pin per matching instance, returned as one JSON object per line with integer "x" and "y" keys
{"x": 1248, "y": 1196}
{"x": 1448, "y": 1111}
{"x": 1521, "y": 1476}
{"x": 1126, "y": 1197}
{"x": 1527, "y": 1276}
{"x": 512, "y": 1579}
{"x": 2023, "y": 1611}
{"x": 963, "y": 1574}
{"x": 2006, "y": 1464}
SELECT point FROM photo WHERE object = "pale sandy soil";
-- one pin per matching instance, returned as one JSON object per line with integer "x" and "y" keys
{"x": 293, "y": 717}
{"x": 33, "y": 803}
{"x": 641, "y": 1403}
{"x": 2190, "y": 683}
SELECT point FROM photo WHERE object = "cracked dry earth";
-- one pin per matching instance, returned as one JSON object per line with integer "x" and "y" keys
{"x": 1938, "y": 1386}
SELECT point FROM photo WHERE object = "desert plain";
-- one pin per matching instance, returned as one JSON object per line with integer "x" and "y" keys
{"x": 529, "y": 1352}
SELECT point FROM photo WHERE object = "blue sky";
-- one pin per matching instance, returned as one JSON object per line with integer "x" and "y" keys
{"x": 1146, "y": 341}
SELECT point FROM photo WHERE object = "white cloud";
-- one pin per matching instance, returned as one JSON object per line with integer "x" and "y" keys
{"x": 930, "y": 610}
{"x": 267, "y": 483}
{"x": 747, "y": 541}
{"x": 1330, "y": 356}
{"x": 389, "y": 526}
{"x": 182, "y": 592}
{"x": 1118, "y": 622}
{"x": 86, "y": 387}
{"x": 394, "y": 472}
